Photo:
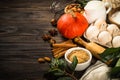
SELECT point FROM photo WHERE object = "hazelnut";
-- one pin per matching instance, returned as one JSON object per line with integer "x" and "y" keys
{"x": 47, "y": 59}
{"x": 41, "y": 60}
{"x": 54, "y": 22}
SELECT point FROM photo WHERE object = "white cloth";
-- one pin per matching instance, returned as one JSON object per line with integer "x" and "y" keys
{"x": 98, "y": 71}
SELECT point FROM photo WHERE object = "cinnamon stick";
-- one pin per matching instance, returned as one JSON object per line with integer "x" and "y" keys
{"x": 60, "y": 54}
{"x": 57, "y": 51}
{"x": 64, "y": 45}
{"x": 65, "y": 42}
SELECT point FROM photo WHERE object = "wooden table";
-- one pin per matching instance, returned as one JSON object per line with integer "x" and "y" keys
{"x": 22, "y": 24}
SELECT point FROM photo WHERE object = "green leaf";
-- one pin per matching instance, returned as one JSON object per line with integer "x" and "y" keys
{"x": 59, "y": 73}
{"x": 53, "y": 63}
{"x": 58, "y": 68}
{"x": 64, "y": 78}
{"x": 58, "y": 63}
{"x": 118, "y": 63}
{"x": 74, "y": 63}
{"x": 115, "y": 72}
{"x": 113, "y": 62}
{"x": 110, "y": 53}
{"x": 82, "y": 2}
{"x": 56, "y": 72}
{"x": 114, "y": 55}
{"x": 62, "y": 64}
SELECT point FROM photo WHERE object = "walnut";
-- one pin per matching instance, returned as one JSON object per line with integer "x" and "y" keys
{"x": 73, "y": 7}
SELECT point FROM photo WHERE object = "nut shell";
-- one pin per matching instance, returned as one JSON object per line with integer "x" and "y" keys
{"x": 73, "y": 7}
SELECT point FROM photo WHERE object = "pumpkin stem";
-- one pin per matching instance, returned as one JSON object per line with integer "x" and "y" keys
{"x": 72, "y": 13}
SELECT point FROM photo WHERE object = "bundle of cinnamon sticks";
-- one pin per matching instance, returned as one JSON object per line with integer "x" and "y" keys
{"x": 59, "y": 49}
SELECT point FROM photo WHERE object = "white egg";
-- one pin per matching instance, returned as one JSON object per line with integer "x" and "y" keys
{"x": 100, "y": 24}
{"x": 113, "y": 29}
{"x": 104, "y": 37}
{"x": 92, "y": 32}
{"x": 116, "y": 41}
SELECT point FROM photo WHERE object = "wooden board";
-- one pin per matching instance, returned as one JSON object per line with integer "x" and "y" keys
{"x": 22, "y": 24}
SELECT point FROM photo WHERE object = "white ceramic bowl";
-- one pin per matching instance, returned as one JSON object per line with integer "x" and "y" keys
{"x": 80, "y": 66}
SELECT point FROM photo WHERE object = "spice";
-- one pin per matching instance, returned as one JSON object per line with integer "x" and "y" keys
{"x": 64, "y": 45}
{"x": 81, "y": 55}
{"x": 46, "y": 37}
{"x": 59, "y": 49}
{"x": 53, "y": 32}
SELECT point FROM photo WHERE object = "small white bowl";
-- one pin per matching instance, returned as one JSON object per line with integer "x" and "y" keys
{"x": 80, "y": 66}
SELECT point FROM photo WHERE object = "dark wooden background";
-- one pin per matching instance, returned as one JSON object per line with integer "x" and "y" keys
{"x": 22, "y": 23}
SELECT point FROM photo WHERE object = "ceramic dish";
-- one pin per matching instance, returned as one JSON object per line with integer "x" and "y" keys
{"x": 80, "y": 66}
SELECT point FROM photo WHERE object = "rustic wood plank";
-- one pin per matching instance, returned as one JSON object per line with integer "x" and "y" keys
{"x": 22, "y": 23}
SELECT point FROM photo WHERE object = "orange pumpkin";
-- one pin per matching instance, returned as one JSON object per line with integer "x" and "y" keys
{"x": 72, "y": 25}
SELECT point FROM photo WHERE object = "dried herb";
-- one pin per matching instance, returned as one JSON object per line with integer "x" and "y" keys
{"x": 61, "y": 71}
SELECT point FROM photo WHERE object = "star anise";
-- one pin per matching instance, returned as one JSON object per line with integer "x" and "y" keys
{"x": 46, "y": 37}
{"x": 53, "y": 32}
